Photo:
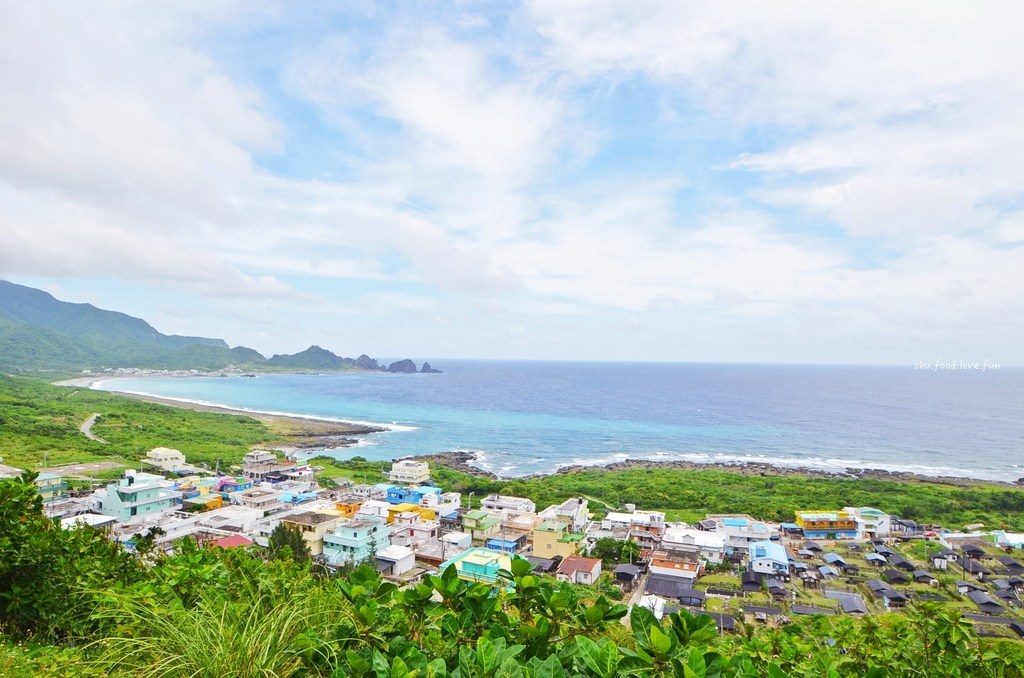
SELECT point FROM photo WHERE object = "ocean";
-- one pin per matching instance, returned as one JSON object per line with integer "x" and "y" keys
{"x": 523, "y": 418}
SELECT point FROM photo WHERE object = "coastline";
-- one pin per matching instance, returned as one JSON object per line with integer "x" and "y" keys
{"x": 299, "y": 432}
{"x": 463, "y": 461}
{"x": 310, "y": 432}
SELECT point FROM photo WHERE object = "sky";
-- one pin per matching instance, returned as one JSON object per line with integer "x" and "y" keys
{"x": 784, "y": 182}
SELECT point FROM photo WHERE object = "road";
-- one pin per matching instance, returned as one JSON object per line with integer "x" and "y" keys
{"x": 86, "y": 428}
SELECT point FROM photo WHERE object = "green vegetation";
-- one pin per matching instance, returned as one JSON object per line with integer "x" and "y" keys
{"x": 38, "y": 419}
{"x": 72, "y": 603}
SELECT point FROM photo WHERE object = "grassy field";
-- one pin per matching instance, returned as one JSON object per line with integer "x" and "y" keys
{"x": 39, "y": 421}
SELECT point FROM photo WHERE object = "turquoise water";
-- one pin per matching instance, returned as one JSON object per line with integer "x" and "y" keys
{"x": 530, "y": 417}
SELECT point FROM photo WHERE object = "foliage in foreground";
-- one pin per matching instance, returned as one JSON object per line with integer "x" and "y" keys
{"x": 214, "y": 612}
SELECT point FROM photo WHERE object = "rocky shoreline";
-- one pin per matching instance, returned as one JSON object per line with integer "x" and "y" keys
{"x": 464, "y": 462}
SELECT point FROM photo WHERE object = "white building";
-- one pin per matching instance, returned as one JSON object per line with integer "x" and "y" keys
{"x": 167, "y": 459}
{"x": 572, "y": 511}
{"x": 871, "y": 523}
{"x": 741, "y": 531}
{"x": 409, "y": 472}
{"x": 708, "y": 545}
{"x": 497, "y": 503}
{"x": 396, "y": 560}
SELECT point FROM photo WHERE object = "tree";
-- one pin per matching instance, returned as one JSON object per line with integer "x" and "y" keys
{"x": 284, "y": 537}
{"x": 613, "y": 551}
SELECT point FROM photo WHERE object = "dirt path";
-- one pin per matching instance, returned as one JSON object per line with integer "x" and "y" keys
{"x": 86, "y": 428}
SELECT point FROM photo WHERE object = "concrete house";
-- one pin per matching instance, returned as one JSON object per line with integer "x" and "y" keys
{"x": 355, "y": 540}
{"x": 129, "y": 499}
{"x": 496, "y": 503}
{"x": 827, "y": 524}
{"x": 409, "y": 472}
{"x": 314, "y": 526}
{"x": 770, "y": 558}
{"x": 708, "y": 545}
{"x": 553, "y": 538}
{"x": 166, "y": 459}
{"x": 480, "y": 565}
{"x": 481, "y": 524}
{"x": 579, "y": 570}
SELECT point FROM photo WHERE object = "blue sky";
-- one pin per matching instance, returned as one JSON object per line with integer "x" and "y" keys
{"x": 767, "y": 182}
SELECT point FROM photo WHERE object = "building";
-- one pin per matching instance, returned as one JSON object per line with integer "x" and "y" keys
{"x": 647, "y": 521}
{"x": 870, "y": 522}
{"x": 708, "y": 545}
{"x": 395, "y": 560}
{"x": 767, "y": 557}
{"x": 579, "y": 570}
{"x": 259, "y": 464}
{"x": 553, "y": 538}
{"x": 480, "y": 565}
{"x": 574, "y": 512}
{"x": 50, "y": 486}
{"x": 684, "y": 564}
{"x": 130, "y": 499}
{"x": 481, "y": 525}
{"x": 259, "y": 498}
{"x": 740, "y": 532}
{"x": 314, "y": 526}
{"x": 409, "y": 472}
{"x": 827, "y": 524}
{"x": 496, "y": 503}
{"x": 355, "y": 540}
{"x": 166, "y": 459}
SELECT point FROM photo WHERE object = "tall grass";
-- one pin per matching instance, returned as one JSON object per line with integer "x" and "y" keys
{"x": 217, "y": 638}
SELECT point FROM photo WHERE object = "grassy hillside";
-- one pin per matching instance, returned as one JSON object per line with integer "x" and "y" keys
{"x": 37, "y": 418}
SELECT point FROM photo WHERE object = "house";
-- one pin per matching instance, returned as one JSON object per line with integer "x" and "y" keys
{"x": 480, "y": 565}
{"x": 409, "y": 472}
{"x": 166, "y": 459}
{"x": 497, "y": 503}
{"x": 1008, "y": 539}
{"x": 835, "y": 560}
{"x": 458, "y": 540}
{"x": 903, "y": 526}
{"x": 901, "y": 563}
{"x": 971, "y": 566}
{"x": 894, "y": 599}
{"x": 260, "y": 498}
{"x": 355, "y": 540}
{"x": 553, "y": 538}
{"x": 395, "y": 560}
{"x": 675, "y": 564}
{"x": 314, "y": 526}
{"x": 924, "y": 577}
{"x": 752, "y": 581}
{"x": 507, "y": 545}
{"x": 129, "y": 501}
{"x": 626, "y": 574}
{"x": 827, "y": 524}
{"x": 877, "y": 586}
{"x": 964, "y": 587}
{"x": 762, "y": 613}
{"x": 896, "y": 577}
{"x": 828, "y": 572}
{"x": 1008, "y": 596}
{"x": 723, "y": 622}
{"x": 708, "y": 545}
{"x": 851, "y": 603}
{"x": 985, "y": 602}
{"x": 812, "y": 546}
{"x": 1011, "y": 565}
{"x": 50, "y": 486}
{"x": 870, "y": 522}
{"x": 776, "y": 589}
{"x": 543, "y": 565}
{"x": 258, "y": 464}
{"x": 740, "y": 532}
{"x": 767, "y": 557}
{"x": 233, "y": 541}
{"x": 481, "y": 525}
{"x": 643, "y": 527}
{"x": 876, "y": 559}
{"x": 574, "y": 512}
{"x": 579, "y": 570}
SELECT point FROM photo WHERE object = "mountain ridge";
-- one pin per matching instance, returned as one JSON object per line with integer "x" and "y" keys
{"x": 40, "y": 332}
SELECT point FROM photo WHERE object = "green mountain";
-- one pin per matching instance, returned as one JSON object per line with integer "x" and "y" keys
{"x": 39, "y": 332}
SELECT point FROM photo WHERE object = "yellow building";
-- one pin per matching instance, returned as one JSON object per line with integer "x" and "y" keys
{"x": 425, "y": 512}
{"x": 348, "y": 506}
{"x": 827, "y": 524}
{"x": 553, "y": 538}
{"x": 313, "y": 525}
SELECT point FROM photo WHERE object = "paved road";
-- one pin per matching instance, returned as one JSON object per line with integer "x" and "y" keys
{"x": 86, "y": 428}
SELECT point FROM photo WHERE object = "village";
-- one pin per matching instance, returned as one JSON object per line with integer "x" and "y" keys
{"x": 850, "y": 560}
